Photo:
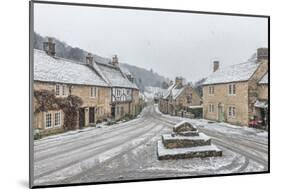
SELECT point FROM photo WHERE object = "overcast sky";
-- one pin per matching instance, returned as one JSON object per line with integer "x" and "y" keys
{"x": 172, "y": 44}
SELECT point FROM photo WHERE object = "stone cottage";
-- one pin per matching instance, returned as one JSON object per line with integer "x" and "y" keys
{"x": 64, "y": 78}
{"x": 124, "y": 92}
{"x": 261, "y": 105}
{"x": 230, "y": 94}
{"x": 178, "y": 98}
{"x": 57, "y": 81}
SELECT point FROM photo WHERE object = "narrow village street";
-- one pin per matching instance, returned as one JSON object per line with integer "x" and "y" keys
{"x": 127, "y": 151}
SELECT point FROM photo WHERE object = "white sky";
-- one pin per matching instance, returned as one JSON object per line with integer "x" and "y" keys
{"x": 172, "y": 44}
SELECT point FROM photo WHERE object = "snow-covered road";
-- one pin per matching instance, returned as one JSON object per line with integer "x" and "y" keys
{"x": 127, "y": 151}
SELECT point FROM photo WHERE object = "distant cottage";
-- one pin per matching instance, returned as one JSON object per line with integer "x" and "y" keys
{"x": 178, "y": 98}
{"x": 105, "y": 91}
{"x": 235, "y": 94}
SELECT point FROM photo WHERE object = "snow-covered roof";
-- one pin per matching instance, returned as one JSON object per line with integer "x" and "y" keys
{"x": 194, "y": 107}
{"x": 264, "y": 79}
{"x": 125, "y": 70}
{"x": 177, "y": 92}
{"x": 55, "y": 69}
{"x": 261, "y": 104}
{"x": 168, "y": 91}
{"x": 173, "y": 90}
{"x": 234, "y": 73}
{"x": 115, "y": 76}
{"x": 101, "y": 60}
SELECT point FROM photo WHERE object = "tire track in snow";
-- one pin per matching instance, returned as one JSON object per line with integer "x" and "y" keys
{"x": 69, "y": 146}
{"x": 99, "y": 157}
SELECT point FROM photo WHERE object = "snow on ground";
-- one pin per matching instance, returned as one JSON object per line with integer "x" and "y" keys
{"x": 218, "y": 127}
{"x": 129, "y": 151}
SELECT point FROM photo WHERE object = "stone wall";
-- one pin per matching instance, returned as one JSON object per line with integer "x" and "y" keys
{"x": 39, "y": 123}
{"x": 182, "y": 98}
{"x": 121, "y": 109}
{"x": 101, "y": 102}
{"x": 222, "y": 98}
{"x": 263, "y": 91}
{"x": 253, "y": 85}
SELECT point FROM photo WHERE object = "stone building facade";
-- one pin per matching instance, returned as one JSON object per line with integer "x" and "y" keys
{"x": 261, "y": 105}
{"x": 230, "y": 94}
{"x": 64, "y": 78}
{"x": 178, "y": 98}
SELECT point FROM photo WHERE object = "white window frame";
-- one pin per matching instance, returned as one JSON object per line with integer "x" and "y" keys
{"x": 59, "y": 120}
{"x": 93, "y": 92}
{"x": 232, "y": 111}
{"x": 232, "y": 89}
{"x": 57, "y": 90}
{"x": 50, "y": 120}
{"x": 211, "y": 90}
{"x": 211, "y": 108}
{"x": 63, "y": 90}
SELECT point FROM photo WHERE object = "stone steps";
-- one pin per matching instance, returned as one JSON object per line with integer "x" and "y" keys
{"x": 184, "y": 153}
{"x": 179, "y": 141}
{"x": 186, "y": 142}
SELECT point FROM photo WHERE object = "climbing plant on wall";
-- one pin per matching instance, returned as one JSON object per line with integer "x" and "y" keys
{"x": 46, "y": 100}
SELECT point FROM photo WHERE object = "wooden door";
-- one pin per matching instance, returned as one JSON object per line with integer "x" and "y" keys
{"x": 91, "y": 115}
{"x": 81, "y": 117}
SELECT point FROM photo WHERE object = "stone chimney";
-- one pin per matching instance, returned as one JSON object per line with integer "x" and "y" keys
{"x": 216, "y": 65}
{"x": 89, "y": 59}
{"x": 262, "y": 54}
{"x": 49, "y": 46}
{"x": 114, "y": 60}
{"x": 179, "y": 81}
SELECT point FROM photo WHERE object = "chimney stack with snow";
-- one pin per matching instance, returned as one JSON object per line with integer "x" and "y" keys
{"x": 89, "y": 59}
{"x": 216, "y": 65}
{"x": 262, "y": 54}
{"x": 49, "y": 46}
{"x": 115, "y": 60}
{"x": 179, "y": 81}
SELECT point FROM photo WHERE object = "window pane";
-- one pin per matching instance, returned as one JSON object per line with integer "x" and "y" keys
{"x": 57, "y": 119}
{"x": 57, "y": 90}
{"x": 63, "y": 90}
{"x": 48, "y": 120}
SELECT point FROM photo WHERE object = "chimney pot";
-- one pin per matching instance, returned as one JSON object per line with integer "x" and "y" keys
{"x": 216, "y": 65}
{"x": 49, "y": 46}
{"x": 115, "y": 60}
{"x": 179, "y": 81}
{"x": 262, "y": 54}
{"x": 89, "y": 59}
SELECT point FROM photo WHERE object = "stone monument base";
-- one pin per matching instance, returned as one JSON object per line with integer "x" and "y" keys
{"x": 184, "y": 153}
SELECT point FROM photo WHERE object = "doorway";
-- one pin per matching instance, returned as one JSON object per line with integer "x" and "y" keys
{"x": 220, "y": 113}
{"x": 81, "y": 118}
{"x": 92, "y": 115}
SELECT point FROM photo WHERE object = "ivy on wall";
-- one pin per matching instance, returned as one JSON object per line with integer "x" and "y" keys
{"x": 46, "y": 101}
